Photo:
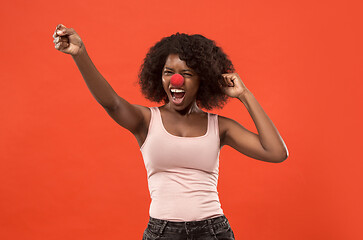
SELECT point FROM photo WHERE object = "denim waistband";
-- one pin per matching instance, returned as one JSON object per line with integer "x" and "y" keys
{"x": 213, "y": 221}
{"x": 212, "y": 226}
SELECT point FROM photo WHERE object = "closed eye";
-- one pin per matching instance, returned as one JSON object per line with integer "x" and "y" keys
{"x": 187, "y": 74}
{"x": 167, "y": 72}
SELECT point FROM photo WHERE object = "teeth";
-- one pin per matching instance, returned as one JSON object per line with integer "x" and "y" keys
{"x": 177, "y": 90}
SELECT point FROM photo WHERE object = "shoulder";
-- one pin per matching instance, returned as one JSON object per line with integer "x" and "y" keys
{"x": 145, "y": 112}
{"x": 143, "y": 109}
{"x": 223, "y": 123}
{"x": 226, "y": 125}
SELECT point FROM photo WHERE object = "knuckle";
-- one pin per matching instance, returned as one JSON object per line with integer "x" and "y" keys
{"x": 64, "y": 44}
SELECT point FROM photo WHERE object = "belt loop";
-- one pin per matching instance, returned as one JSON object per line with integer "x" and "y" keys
{"x": 163, "y": 227}
{"x": 211, "y": 228}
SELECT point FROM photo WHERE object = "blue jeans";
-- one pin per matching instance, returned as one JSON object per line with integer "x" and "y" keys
{"x": 209, "y": 229}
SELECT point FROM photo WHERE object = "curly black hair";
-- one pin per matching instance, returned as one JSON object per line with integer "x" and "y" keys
{"x": 200, "y": 54}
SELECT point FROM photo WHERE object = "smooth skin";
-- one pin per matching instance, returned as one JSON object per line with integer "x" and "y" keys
{"x": 185, "y": 119}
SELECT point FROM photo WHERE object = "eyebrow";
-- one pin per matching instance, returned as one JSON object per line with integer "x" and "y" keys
{"x": 185, "y": 70}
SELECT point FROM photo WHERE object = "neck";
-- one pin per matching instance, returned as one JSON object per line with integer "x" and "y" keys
{"x": 192, "y": 108}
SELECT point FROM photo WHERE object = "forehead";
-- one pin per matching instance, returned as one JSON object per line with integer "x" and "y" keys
{"x": 173, "y": 61}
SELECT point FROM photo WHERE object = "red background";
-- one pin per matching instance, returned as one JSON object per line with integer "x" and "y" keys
{"x": 67, "y": 171}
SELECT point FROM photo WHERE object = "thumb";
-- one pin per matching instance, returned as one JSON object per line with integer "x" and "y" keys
{"x": 63, "y": 30}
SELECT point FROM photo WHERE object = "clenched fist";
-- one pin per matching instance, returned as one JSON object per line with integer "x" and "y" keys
{"x": 233, "y": 85}
{"x": 67, "y": 40}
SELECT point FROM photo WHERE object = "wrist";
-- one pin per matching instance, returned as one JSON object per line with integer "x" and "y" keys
{"x": 243, "y": 96}
{"x": 81, "y": 53}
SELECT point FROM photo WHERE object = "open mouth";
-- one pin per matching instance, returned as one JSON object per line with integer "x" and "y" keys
{"x": 177, "y": 95}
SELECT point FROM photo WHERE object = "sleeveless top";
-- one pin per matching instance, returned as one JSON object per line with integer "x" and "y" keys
{"x": 182, "y": 172}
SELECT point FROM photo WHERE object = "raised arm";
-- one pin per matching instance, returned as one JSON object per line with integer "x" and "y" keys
{"x": 131, "y": 117}
{"x": 267, "y": 145}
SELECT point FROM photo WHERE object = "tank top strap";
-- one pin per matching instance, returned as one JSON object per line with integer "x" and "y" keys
{"x": 156, "y": 112}
{"x": 155, "y": 118}
{"x": 213, "y": 124}
{"x": 153, "y": 112}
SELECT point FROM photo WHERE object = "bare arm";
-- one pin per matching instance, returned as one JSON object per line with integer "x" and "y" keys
{"x": 268, "y": 144}
{"x": 131, "y": 117}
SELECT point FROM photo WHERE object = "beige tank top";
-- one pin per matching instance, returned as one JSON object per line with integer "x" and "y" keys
{"x": 182, "y": 172}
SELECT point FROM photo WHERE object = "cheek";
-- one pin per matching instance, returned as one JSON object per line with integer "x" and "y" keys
{"x": 194, "y": 85}
{"x": 164, "y": 81}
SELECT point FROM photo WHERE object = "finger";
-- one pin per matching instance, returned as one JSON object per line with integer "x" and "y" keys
{"x": 61, "y": 39}
{"x": 55, "y": 32}
{"x": 225, "y": 81}
{"x": 61, "y": 46}
{"x": 61, "y": 27}
{"x": 63, "y": 31}
{"x": 222, "y": 82}
{"x": 229, "y": 81}
{"x": 64, "y": 45}
{"x": 57, "y": 46}
{"x": 233, "y": 75}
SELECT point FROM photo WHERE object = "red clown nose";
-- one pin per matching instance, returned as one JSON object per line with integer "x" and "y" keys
{"x": 177, "y": 80}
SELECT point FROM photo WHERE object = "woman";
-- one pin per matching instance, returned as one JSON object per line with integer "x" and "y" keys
{"x": 179, "y": 142}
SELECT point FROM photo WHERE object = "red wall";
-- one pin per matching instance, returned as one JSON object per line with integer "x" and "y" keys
{"x": 67, "y": 171}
